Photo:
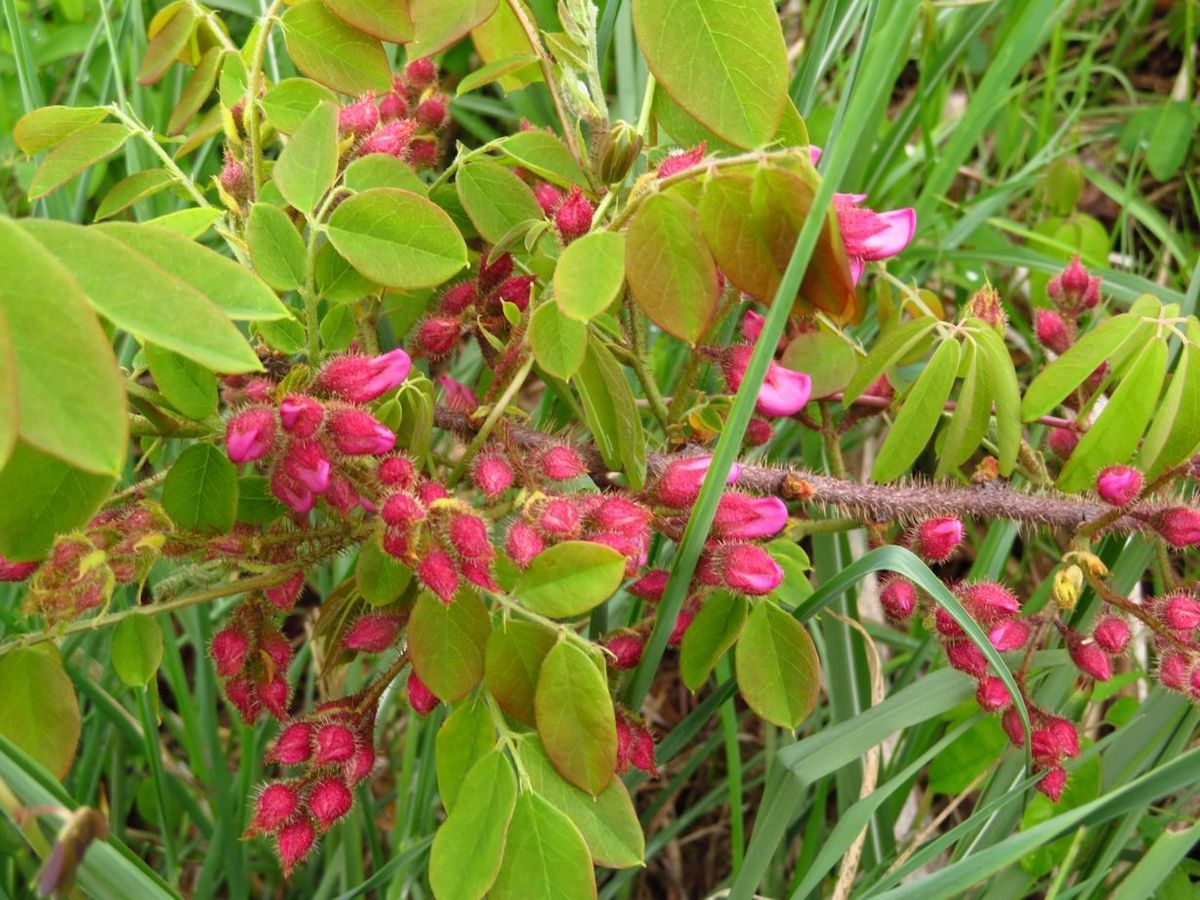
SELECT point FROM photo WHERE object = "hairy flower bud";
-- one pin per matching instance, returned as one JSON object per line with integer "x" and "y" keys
{"x": 1112, "y": 634}
{"x": 456, "y": 299}
{"x": 293, "y": 843}
{"x": 229, "y": 649}
{"x": 1173, "y": 670}
{"x": 250, "y": 434}
{"x": 784, "y": 392}
{"x": 468, "y": 535}
{"x": 560, "y": 519}
{"x": 898, "y": 598}
{"x": 683, "y": 621}
{"x": 372, "y": 633}
{"x": 1066, "y": 737}
{"x": 1062, "y": 441}
{"x": 523, "y": 544}
{"x": 1181, "y": 612}
{"x": 1013, "y": 726}
{"x": 359, "y": 117}
{"x": 758, "y": 433}
{"x": 361, "y": 763}
{"x": 301, "y": 415}
{"x": 626, "y": 650}
{"x": 328, "y": 801}
{"x": 438, "y": 573}
{"x": 516, "y": 290}
{"x": 360, "y": 379}
{"x": 276, "y": 803}
{"x": 420, "y": 697}
{"x": 492, "y": 272}
{"x": 306, "y": 463}
{"x": 985, "y": 305}
{"x": 358, "y": 433}
{"x": 619, "y": 150}
{"x": 438, "y": 335}
{"x": 573, "y": 218}
{"x": 16, "y": 571}
{"x": 432, "y": 112}
{"x": 992, "y": 694}
{"x": 549, "y": 197}
{"x": 680, "y": 482}
{"x": 398, "y": 472}
{"x": 937, "y": 539}
{"x": 294, "y": 744}
{"x": 748, "y": 568}
{"x": 989, "y": 600}
{"x": 1179, "y": 527}
{"x": 1051, "y": 331}
{"x": 394, "y": 138}
{"x": 420, "y": 73}
{"x": 1119, "y": 485}
{"x": 741, "y": 517}
{"x": 561, "y": 463}
{"x": 1090, "y": 659}
{"x": 274, "y": 694}
{"x": 334, "y": 744}
{"x": 678, "y": 162}
{"x": 284, "y": 596}
{"x": 492, "y": 474}
{"x": 1053, "y": 782}
{"x": 233, "y": 177}
{"x": 1009, "y": 634}
{"x": 616, "y": 513}
{"x": 240, "y": 692}
{"x": 966, "y": 657}
{"x": 651, "y": 585}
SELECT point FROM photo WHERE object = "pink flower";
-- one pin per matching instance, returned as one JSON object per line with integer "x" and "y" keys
{"x": 1119, "y": 485}
{"x": 358, "y": 433}
{"x": 306, "y": 462}
{"x": 1010, "y": 634}
{"x": 740, "y": 517}
{"x": 749, "y": 569}
{"x": 784, "y": 392}
{"x": 250, "y": 434}
{"x": 301, "y": 415}
{"x": 360, "y": 379}
{"x": 752, "y": 325}
{"x": 458, "y": 396}
{"x": 680, "y": 482}
{"x": 420, "y": 696}
{"x": 868, "y": 235}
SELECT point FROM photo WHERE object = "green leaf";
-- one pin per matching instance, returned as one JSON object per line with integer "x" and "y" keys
{"x": 129, "y": 191}
{"x": 795, "y": 587}
{"x": 515, "y": 651}
{"x": 589, "y": 275}
{"x": 137, "y": 650}
{"x": 739, "y": 246}
{"x": 545, "y": 856}
{"x": 382, "y": 170}
{"x": 1006, "y": 394}
{"x": 191, "y": 222}
{"x": 888, "y": 350}
{"x": 465, "y": 737}
{"x": 276, "y": 248}
{"x": 38, "y": 709}
{"x": 969, "y": 421}
{"x": 559, "y": 343}
{"x": 955, "y": 768}
{"x": 778, "y": 673}
{"x": 10, "y": 399}
{"x": 439, "y": 23}
{"x": 44, "y": 496}
{"x": 500, "y": 38}
{"x": 545, "y": 156}
{"x": 397, "y": 238}
{"x": 200, "y": 492}
{"x": 612, "y": 414}
{"x": 495, "y": 199}
{"x": 307, "y": 166}
{"x": 256, "y": 504}
{"x": 447, "y": 641}
{"x": 1174, "y": 131}
{"x": 229, "y": 286}
{"x": 1175, "y": 429}
{"x": 670, "y": 271}
{"x": 381, "y": 578}
{"x": 826, "y": 356}
{"x": 570, "y": 578}
{"x": 49, "y": 126}
{"x": 77, "y": 152}
{"x": 134, "y": 293}
{"x": 575, "y": 718}
{"x": 197, "y": 90}
{"x": 327, "y": 50}
{"x": 170, "y": 31}
{"x": 920, "y": 414}
{"x": 1071, "y": 369}
{"x": 69, "y": 399}
{"x": 286, "y": 105}
{"x": 337, "y": 280}
{"x": 190, "y": 388}
{"x": 496, "y": 71}
{"x": 608, "y": 822}
{"x": 469, "y": 846}
{"x": 387, "y": 20}
{"x": 724, "y": 63}
{"x": 1115, "y": 434}
{"x": 713, "y": 631}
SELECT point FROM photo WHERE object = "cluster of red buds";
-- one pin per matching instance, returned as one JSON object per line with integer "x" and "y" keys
{"x": 335, "y": 746}
{"x": 1052, "y": 740}
{"x": 570, "y": 211}
{"x": 118, "y": 546}
{"x": 471, "y": 305}
{"x": 635, "y": 745}
{"x": 251, "y": 654}
{"x": 404, "y": 122}
{"x": 308, "y": 440}
{"x": 440, "y": 538}
{"x": 609, "y": 519}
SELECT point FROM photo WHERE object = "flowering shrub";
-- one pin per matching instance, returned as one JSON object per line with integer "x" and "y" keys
{"x": 397, "y": 423}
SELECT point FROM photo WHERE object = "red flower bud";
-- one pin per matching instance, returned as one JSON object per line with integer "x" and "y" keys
{"x": 1062, "y": 441}
{"x": 301, "y": 415}
{"x": 397, "y": 471}
{"x": 680, "y": 482}
{"x": 422, "y": 154}
{"x": 240, "y": 692}
{"x": 359, "y": 117}
{"x": 945, "y": 624}
{"x": 573, "y": 218}
{"x": 1090, "y": 659}
{"x": 1045, "y": 746}
{"x": 494, "y": 272}
{"x": 438, "y": 335}
{"x": 438, "y": 573}
{"x": 293, "y": 843}
{"x": 273, "y": 695}
{"x": 936, "y": 539}
{"x": 479, "y": 573}
{"x": 966, "y": 657}
{"x": 651, "y": 585}
{"x": 560, "y": 519}
{"x": 898, "y": 598}
{"x": 360, "y": 379}
{"x": 229, "y": 649}
{"x": 335, "y": 743}
{"x": 616, "y": 513}
{"x": 992, "y": 695}
{"x": 1009, "y": 634}
{"x": 1051, "y": 331}
{"x": 682, "y": 622}
{"x": 1181, "y": 612}
{"x": 358, "y": 433}
{"x": 420, "y": 73}
{"x": 642, "y": 752}
{"x": 1112, "y": 634}
{"x": 468, "y": 535}
{"x": 1065, "y": 736}
{"x": 561, "y": 463}
{"x": 492, "y": 475}
{"x": 741, "y": 517}
{"x": 305, "y": 462}
{"x": 16, "y": 571}
{"x": 1119, "y": 485}
{"x": 458, "y": 298}
{"x": 372, "y": 633}
{"x": 294, "y": 744}
{"x": 233, "y": 176}
{"x": 1173, "y": 671}
{"x": 549, "y": 197}
{"x": 1013, "y": 726}
{"x": 626, "y": 650}
{"x": 989, "y": 600}
{"x": 394, "y": 138}
{"x": 517, "y": 290}
{"x": 276, "y": 804}
{"x": 393, "y": 106}
{"x": 284, "y": 596}
{"x": 432, "y": 112}
{"x": 677, "y": 162}
{"x": 402, "y": 511}
{"x": 250, "y": 434}
{"x": 328, "y": 801}
{"x": 523, "y": 544}
{"x": 420, "y": 697}
{"x": 277, "y": 648}
{"x": 361, "y": 764}
{"x": 1180, "y": 527}
{"x": 1053, "y": 782}
{"x": 758, "y": 433}
{"x": 748, "y": 568}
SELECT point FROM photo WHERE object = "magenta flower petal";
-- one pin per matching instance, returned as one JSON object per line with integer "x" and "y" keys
{"x": 897, "y": 229}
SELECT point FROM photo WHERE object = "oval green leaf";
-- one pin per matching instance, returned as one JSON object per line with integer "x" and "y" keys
{"x": 437, "y": 23}
{"x": 575, "y": 718}
{"x": 38, "y": 709}
{"x": 447, "y": 642}
{"x": 920, "y": 414}
{"x": 137, "y": 650}
{"x": 328, "y": 50}
{"x": 83, "y": 148}
{"x": 545, "y": 856}
{"x": 276, "y": 248}
{"x": 495, "y": 199}
{"x": 514, "y": 656}
{"x": 307, "y": 166}
{"x": 714, "y": 630}
{"x": 387, "y": 20}
{"x": 559, "y": 343}
{"x": 286, "y": 105}
{"x": 190, "y": 388}
{"x": 49, "y": 126}
{"x": 129, "y": 191}
{"x": 589, "y": 275}
{"x": 545, "y": 155}
{"x": 778, "y": 672}
{"x": 200, "y": 492}
{"x": 570, "y": 579}
{"x": 465, "y": 737}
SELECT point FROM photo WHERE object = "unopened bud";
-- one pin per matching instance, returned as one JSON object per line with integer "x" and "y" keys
{"x": 432, "y": 112}
{"x": 898, "y": 598}
{"x": 358, "y": 433}
{"x": 1180, "y": 527}
{"x": 626, "y": 650}
{"x": 492, "y": 475}
{"x": 334, "y": 744}
{"x": 966, "y": 657}
{"x": 1090, "y": 659}
{"x": 1053, "y": 782}
{"x": 420, "y": 697}
{"x": 359, "y": 117}
{"x": 678, "y": 162}
{"x": 523, "y": 544}
{"x": 619, "y": 150}
{"x": 1062, "y": 441}
{"x": 1051, "y": 331}
{"x": 992, "y": 694}
{"x": 936, "y": 539}
{"x": 293, "y": 843}
{"x": 573, "y": 218}
{"x": 329, "y": 800}
{"x": 250, "y": 434}
{"x": 372, "y": 633}
{"x": 985, "y": 305}
{"x": 1112, "y": 634}
{"x": 276, "y": 804}
{"x": 438, "y": 573}
{"x": 1119, "y": 485}
{"x": 1181, "y": 612}
{"x": 294, "y": 745}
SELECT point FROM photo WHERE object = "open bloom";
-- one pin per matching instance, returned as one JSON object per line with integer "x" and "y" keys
{"x": 870, "y": 235}
{"x": 784, "y": 391}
